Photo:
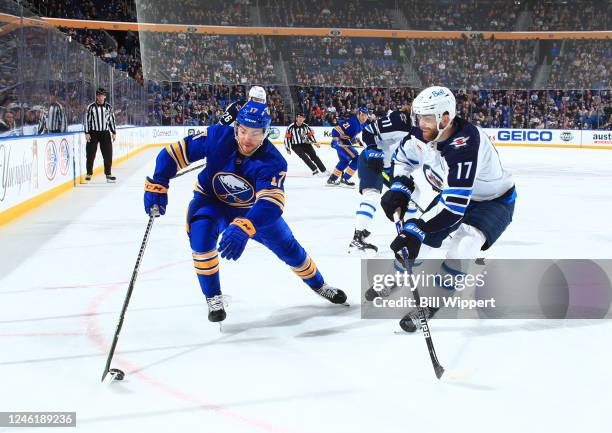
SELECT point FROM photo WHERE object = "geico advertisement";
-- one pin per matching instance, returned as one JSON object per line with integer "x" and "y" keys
{"x": 542, "y": 137}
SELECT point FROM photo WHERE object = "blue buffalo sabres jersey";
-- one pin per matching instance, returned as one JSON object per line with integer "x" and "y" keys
{"x": 252, "y": 185}
{"x": 386, "y": 133}
{"x": 462, "y": 168}
{"x": 345, "y": 132}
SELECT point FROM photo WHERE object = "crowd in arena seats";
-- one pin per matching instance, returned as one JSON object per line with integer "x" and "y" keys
{"x": 537, "y": 109}
{"x": 366, "y": 69}
{"x": 328, "y": 13}
{"x": 207, "y": 58}
{"x": 495, "y": 15}
{"x": 476, "y": 63}
{"x": 210, "y": 12}
{"x": 470, "y": 15}
{"x": 116, "y": 10}
{"x": 583, "y": 64}
{"x": 120, "y": 50}
{"x": 487, "y": 108}
{"x": 324, "y": 106}
{"x": 196, "y": 104}
{"x": 503, "y": 15}
{"x": 581, "y": 15}
{"x": 345, "y": 61}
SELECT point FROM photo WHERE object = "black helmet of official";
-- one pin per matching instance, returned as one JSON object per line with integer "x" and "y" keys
{"x": 101, "y": 91}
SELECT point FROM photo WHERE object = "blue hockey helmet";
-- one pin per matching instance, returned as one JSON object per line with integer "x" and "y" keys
{"x": 255, "y": 115}
{"x": 364, "y": 110}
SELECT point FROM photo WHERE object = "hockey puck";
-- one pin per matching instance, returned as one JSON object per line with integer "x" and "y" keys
{"x": 116, "y": 374}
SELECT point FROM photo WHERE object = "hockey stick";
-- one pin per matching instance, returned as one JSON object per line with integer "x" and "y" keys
{"x": 438, "y": 369}
{"x": 179, "y": 174}
{"x": 116, "y": 372}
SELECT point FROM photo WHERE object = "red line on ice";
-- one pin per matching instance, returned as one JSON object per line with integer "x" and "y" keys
{"x": 95, "y": 336}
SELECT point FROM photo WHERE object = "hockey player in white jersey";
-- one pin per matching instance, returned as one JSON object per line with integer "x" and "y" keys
{"x": 477, "y": 197}
{"x": 256, "y": 93}
{"x": 381, "y": 137}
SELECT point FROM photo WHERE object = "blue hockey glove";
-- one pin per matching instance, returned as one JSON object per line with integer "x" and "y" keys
{"x": 235, "y": 237}
{"x": 374, "y": 159}
{"x": 411, "y": 238}
{"x": 155, "y": 194}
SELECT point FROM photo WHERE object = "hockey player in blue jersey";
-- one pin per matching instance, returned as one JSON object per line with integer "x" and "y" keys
{"x": 239, "y": 195}
{"x": 381, "y": 138}
{"x": 343, "y": 136}
{"x": 477, "y": 196}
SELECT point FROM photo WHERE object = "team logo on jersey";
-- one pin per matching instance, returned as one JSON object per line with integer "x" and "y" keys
{"x": 459, "y": 142}
{"x": 233, "y": 189}
{"x": 434, "y": 179}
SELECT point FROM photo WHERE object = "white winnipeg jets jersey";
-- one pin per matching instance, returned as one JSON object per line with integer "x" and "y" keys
{"x": 462, "y": 168}
{"x": 386, "y": 133}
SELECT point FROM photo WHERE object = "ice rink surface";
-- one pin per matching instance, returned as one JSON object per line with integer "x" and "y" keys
{"x": 287, "y": 361}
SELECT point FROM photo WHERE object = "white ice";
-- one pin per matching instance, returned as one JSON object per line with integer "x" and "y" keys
{"x": 287, "y": 361}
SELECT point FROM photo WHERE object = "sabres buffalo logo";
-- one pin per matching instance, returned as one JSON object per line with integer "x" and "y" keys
{"x": 434, "y": 179}
{"x": 233, "y": 189}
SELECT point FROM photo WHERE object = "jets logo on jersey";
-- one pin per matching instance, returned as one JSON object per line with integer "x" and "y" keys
{"x": 233, "y": 189}
{"x": 459, "y": 142}
{"x": 434, "y": 179}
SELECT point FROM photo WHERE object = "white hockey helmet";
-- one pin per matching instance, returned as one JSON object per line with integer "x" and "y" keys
{"x": 259, "y": 93}
{"x": 437, "y": 101}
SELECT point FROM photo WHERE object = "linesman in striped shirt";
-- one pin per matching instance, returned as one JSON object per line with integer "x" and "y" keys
{"x": 53, "y": 121}
{"x": 100, "y": 128}
{"x": 300, "y": 138}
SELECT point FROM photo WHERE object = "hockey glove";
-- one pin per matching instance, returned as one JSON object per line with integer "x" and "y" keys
{"x": 411, "y": 237}
{"x": 374, "y": 159}
{"x": 156, "y": 193}
{"x": 397, "y": 197}
{"x": 235, "y": 237}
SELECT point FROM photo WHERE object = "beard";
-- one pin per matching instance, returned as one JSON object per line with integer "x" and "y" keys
{"x": 429, "y": 134}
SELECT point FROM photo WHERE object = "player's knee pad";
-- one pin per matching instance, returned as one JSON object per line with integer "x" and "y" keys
{"x": 466, "y": 243}
{"x": 203, "y": 232}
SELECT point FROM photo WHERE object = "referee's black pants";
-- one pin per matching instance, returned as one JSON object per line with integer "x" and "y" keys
{"x": 106, "y": 147}
{"x": 307, "y": 153}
